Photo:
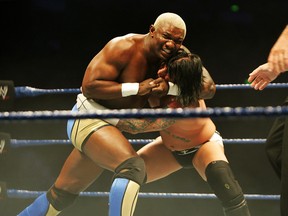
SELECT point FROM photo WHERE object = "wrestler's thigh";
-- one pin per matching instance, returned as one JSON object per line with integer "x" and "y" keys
{"x": 108, "y": 148}
{"x": 78, "y": 173}
{"x": 209, "y": 152}
{"x": 158, "y": 159}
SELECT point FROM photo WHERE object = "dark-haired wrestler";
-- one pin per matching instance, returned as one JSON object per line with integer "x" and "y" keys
{"x": 189, "y": 142}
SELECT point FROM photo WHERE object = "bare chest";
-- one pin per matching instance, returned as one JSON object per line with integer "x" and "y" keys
{"x": 139, "y": 69}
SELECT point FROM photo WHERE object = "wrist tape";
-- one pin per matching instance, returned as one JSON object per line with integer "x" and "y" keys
{"x": 128, "y": 89}
{"x": 173, "y": 89}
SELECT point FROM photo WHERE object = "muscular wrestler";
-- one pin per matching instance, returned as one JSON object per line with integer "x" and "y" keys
{"x": 189, "y": 143}
{"x": 120, "y": 76}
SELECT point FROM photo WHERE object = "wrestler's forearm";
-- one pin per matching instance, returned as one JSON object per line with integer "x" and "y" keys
{"x": 209, "y": 87}
{"x": 278, "y": 56}
{"x": 135, "y": 126}
{"x": 94, "y": 88}
{"x": 282, "y": 40}
{"x": 208, "y": 91}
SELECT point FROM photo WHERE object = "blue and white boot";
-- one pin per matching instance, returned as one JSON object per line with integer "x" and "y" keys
{"x": 40, "y": 207}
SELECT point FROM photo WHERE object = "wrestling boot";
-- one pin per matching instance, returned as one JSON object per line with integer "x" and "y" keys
{"x": 40, "y": 207}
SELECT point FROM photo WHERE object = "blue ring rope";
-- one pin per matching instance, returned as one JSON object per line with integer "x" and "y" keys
{"x": 248, "y": 86}
{"x": 13, "y": 193}
{"x": 23, "y": 91}
{"x": 14, "y": 143}
{"x": 147, "y": 113}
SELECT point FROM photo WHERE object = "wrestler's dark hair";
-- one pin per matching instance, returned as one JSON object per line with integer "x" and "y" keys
{"x": 185, "y": 70}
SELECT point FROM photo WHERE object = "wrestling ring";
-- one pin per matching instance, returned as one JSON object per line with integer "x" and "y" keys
{"x": 9, "y": 144}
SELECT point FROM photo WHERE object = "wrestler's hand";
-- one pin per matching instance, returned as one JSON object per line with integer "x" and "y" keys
{"x": 163, "y": 73}
{"x": 146, "y": 86}
{"x": 262, "y": 76}
{"x": 161, "y": 88}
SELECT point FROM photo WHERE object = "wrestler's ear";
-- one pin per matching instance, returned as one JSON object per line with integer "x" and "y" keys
{"x": 152, "y": 30}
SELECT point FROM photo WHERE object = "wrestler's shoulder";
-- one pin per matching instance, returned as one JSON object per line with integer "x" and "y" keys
{"x": 126, "y": 41}
{"x": 123, "y": 45}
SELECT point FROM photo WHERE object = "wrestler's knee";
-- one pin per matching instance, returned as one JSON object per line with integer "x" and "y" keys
{"x": 60, "y": 199}
{"x": 133, "y": 169}
{"x": 226, "y": 187}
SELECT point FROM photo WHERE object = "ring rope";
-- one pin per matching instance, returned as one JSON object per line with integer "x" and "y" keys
{"x": 248, "y": 86}
{"x": 23, "y": 91}
{"x": 13, "y": 193}
{"x": 213, "y": 112}
{"x": 147, "y": 113}
{"x": 26, "y": 143}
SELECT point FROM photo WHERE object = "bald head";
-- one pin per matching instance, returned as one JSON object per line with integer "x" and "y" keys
{"x": 171, "y": 18}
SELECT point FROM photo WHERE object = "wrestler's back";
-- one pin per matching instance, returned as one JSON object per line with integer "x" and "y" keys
{"x": 188, "y": 132}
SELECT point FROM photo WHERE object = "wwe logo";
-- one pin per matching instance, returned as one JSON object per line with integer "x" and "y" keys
{"x": 2, "y": 145}
{"x": 3, "y": 91}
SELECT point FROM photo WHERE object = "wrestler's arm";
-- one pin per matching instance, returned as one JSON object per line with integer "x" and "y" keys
{"x": 277, "y": 64}
{"x": 278, "y": 56}
{"x": 209, "y": 87}
{"x": 135, "y": 126}
{"x": 106, "y": 67}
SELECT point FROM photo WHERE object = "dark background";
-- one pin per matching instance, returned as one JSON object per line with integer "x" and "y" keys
{"x": 48, "y": 44}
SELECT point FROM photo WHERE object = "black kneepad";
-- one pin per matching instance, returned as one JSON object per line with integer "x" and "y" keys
{"x": 132, "y": 169}
{"x": 223, "y": 183}
{"x": 60, "y": 199}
